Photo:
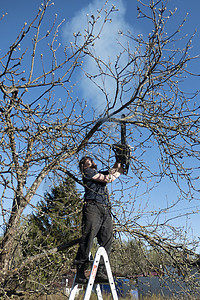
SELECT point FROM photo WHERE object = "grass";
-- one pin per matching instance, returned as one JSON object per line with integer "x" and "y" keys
{"x": 80, "y": 296}
{"x": 94, "y": 297}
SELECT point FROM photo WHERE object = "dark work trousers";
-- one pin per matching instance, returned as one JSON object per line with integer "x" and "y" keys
{"x": 96, "y": 222}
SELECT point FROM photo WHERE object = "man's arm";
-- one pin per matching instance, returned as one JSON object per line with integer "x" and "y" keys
{"x": 114, "y": 173}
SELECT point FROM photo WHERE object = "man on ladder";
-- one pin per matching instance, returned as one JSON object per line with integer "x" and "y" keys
{"x": 96, "y": 218}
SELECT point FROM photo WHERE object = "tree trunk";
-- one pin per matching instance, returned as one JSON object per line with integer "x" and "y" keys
{"x": 8, "y": 241}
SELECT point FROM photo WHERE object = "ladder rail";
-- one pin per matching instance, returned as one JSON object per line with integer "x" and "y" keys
{"x": 98, "y": 292}
{"x": 91, "y": 282}
{"x": 92, "y": 276}
{"x": 73, "y": 290}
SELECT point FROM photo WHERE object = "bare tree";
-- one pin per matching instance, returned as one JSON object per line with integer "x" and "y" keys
{"x": 41, "y": 135}
{"x": 36, "y": 136}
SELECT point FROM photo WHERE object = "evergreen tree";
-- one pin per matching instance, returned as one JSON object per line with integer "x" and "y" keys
{"x": 56, "y": 221}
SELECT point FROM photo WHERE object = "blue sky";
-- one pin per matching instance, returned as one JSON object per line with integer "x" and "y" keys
{"x": 74, "y": 13}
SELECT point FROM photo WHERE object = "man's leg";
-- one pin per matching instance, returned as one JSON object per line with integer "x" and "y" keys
{"x": 105, "y": 236}
{"x": 91, "y": 223}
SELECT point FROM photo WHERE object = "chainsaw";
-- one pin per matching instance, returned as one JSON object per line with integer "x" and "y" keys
{"x": 122, "y": 150}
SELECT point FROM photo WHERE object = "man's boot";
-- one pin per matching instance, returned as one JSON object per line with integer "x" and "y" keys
{"x": 101, "y": 276}
{"x": 80, "y": 275}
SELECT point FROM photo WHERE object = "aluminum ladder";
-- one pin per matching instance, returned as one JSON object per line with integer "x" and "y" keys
{"x": 100, "y": 252}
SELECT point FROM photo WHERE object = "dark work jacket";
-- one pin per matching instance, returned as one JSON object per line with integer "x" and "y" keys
{"x": 95, "y": 190}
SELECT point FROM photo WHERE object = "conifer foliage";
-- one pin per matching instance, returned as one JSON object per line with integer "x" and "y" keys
{"x": 56, "y": 221}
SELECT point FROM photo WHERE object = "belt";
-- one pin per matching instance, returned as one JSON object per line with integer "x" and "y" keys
{"x": 90, "y": 201}
{"x": 96, "y": 202}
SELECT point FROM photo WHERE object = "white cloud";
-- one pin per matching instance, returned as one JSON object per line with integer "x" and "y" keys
{"x": 107, "y": 47}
